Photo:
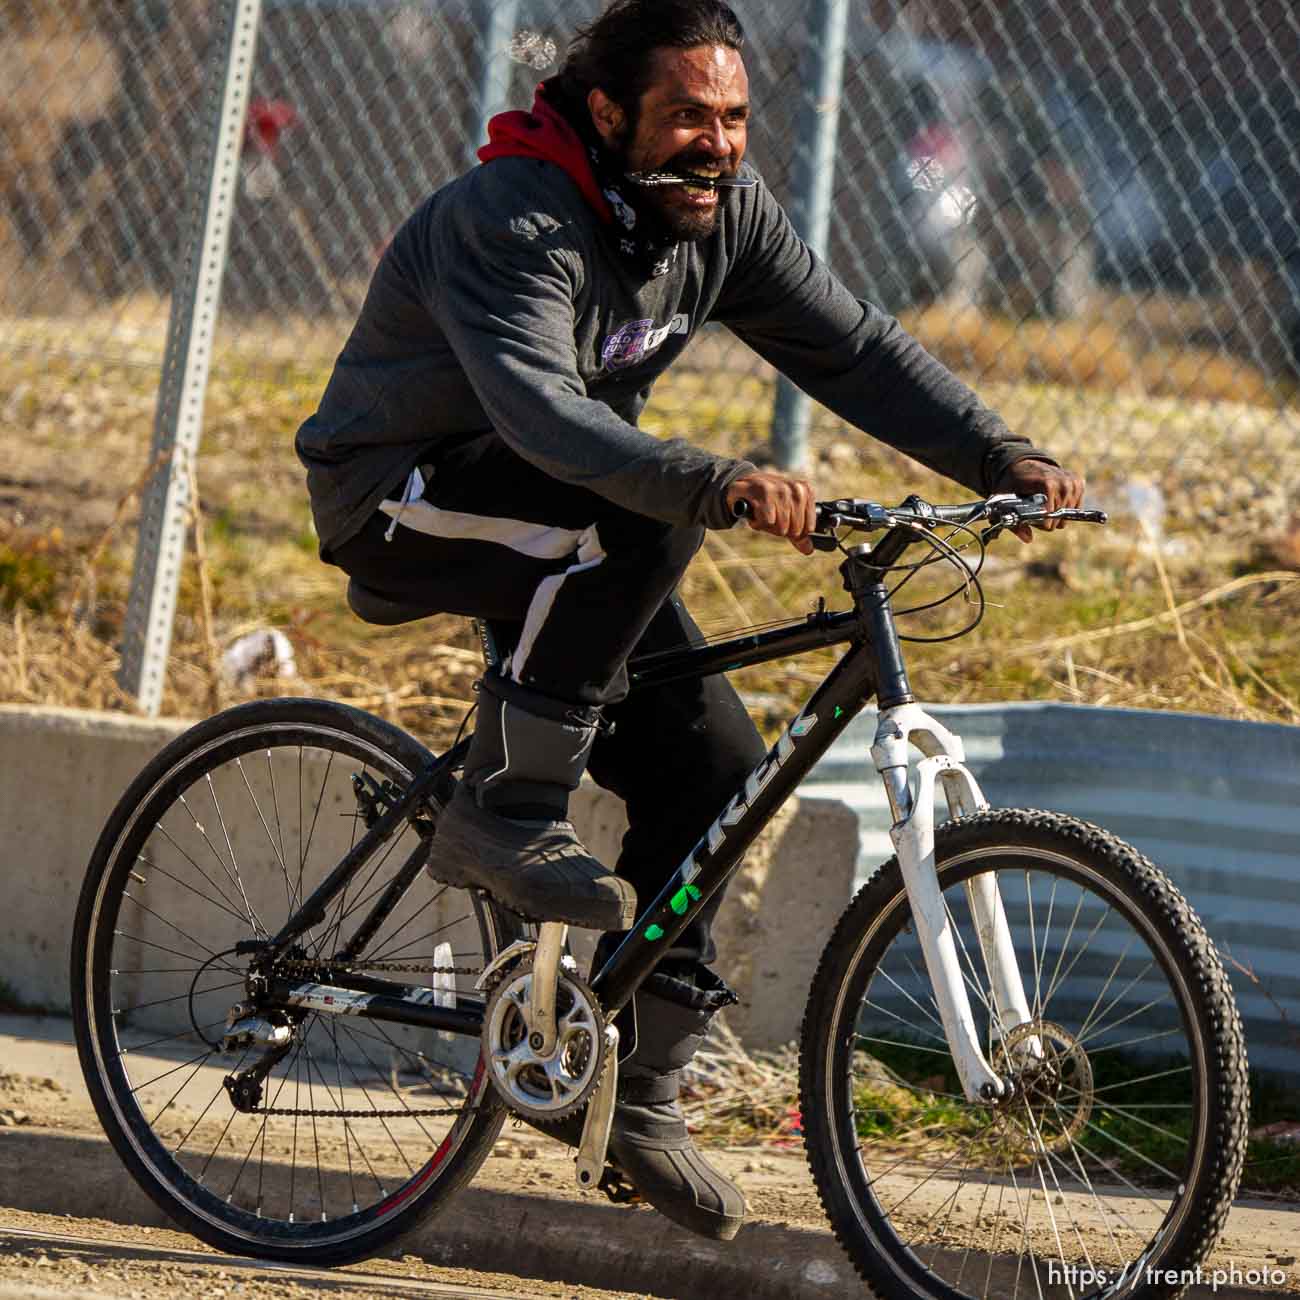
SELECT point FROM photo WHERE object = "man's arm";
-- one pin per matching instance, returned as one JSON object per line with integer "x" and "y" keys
{"x": 506, "y": 304}
{"x": 785, "y": 303}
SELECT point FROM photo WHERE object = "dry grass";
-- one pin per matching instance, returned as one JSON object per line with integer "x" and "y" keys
{"x": 734, "y": 1097}
{"x": 1122, "y": 345}
{"x": 1098, "y": 617}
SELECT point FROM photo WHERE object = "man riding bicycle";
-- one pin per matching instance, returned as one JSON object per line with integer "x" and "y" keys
{"x": 476, "y": 452}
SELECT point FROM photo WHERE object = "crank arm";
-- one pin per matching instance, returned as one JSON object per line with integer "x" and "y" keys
{"x": 600, "y": 1117}
{"x": 541, "y": 994}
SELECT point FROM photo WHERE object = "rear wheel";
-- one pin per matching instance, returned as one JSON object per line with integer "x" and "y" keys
{"x": 1119, "y": 1153}
{"x": 360, "y": 1128}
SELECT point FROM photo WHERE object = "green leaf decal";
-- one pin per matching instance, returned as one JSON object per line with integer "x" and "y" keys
{"x": 683, "y": 898}
{"x": 654, "y": 932}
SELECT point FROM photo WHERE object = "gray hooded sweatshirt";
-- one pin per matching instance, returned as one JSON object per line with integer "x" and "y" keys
{"x": 504, "y": 303}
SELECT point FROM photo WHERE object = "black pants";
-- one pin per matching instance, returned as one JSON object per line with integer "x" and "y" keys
{"x": 573, "y": 584}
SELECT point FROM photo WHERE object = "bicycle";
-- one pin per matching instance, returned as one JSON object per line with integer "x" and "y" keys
{"x": 1016, "y": 1013}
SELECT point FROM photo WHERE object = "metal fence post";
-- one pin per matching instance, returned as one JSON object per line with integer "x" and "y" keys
{"x": 494, "y": 72}
{"x": 160, "y": 550}
{"x": 813, "y": 188}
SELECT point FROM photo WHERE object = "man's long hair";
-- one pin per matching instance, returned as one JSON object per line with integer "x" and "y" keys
{"x": 615, "y": 52}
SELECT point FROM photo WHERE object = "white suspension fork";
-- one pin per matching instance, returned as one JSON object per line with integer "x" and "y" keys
{"x": 913, "y": 837}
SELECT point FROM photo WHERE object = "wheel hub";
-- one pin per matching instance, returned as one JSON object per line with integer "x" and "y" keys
{"x": 1052, "y": 1098}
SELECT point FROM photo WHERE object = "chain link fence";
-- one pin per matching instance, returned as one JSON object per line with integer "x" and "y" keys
{"x": 1076, "y": 205}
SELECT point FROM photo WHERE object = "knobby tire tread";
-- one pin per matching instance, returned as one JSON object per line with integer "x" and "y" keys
{"x": 1187, "y": 941}
{"x": 474, "y": 1148}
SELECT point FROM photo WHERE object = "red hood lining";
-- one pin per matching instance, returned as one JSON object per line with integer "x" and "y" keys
{"x": 545, "y": 133}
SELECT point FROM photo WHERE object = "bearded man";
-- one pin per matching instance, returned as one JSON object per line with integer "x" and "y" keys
{"x": 476, "y": 452}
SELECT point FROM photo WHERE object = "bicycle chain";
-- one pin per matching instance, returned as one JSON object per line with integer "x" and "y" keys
{"x": 294, "y": 966}
{"x": 317, "y": 968}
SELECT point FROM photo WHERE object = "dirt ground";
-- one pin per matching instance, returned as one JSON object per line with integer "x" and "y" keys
{"x": 113, "y": 1260}
{"x": 776, "y": 1181}
{"x": 47, "y": 1255}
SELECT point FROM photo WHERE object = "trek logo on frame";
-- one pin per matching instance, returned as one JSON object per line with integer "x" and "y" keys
{"x": 755, "y": 783}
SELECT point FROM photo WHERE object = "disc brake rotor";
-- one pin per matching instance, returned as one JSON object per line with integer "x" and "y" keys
{"x": 1053, "y": 1099}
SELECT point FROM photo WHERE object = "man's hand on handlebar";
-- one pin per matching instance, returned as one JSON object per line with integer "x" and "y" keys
{"x": 777, "y": 504}
{"x": 1062, "y": 488}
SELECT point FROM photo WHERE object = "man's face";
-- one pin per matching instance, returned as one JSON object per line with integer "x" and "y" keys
{"x": 693, "y": 118}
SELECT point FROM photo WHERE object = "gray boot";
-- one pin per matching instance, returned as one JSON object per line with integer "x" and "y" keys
{"x": 648, "y": 1140}
{"x": 505, "y": 829}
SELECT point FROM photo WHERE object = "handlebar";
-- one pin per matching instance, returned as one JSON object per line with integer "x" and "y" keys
{"x": 1003, "y": 511}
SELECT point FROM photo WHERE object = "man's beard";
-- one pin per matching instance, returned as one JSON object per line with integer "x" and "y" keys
{"x": 682, "y": 224}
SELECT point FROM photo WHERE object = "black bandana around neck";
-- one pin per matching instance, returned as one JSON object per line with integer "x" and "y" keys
{"x": 639, "y": 234}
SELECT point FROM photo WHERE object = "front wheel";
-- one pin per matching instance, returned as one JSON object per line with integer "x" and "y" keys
{"x": 1111, "y": 1169}
{"x": 356, "y": 1129}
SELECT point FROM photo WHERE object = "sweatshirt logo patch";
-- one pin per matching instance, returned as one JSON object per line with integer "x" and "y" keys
{"x": 635, "y": 341}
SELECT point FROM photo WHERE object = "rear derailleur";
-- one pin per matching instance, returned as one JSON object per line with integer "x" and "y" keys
{"x": 247, "y": 1030}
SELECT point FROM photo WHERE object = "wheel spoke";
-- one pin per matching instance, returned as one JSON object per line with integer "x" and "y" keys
{"x": 210, "y": 952}
{"x": 311, "y": 833}
{"x": 1074, "y": 961}
{"x": 148, "y": 943}
{"x": 230, "y": 848}
{"x": 170, "y": 1038}
{"x": 340, "y": 1122}
{"x": 179, "y": 997}
{"x": 330, "y": 935}
{"x": 230, "y": 869}
{"x": 913, "y": 1001}
{"x": 972, "y": 978}
{"x": 270, "y": 839}
{"x": 393, "y": 954}
{"x": 200, "y": 1058}
{"x": 911, "y": 1047}
{"x": 203, "y": 1114}
{"x": 230, "y": 911}
{"x": 1059, "y": 1202}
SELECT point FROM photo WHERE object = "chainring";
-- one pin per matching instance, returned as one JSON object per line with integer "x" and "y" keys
{"x": 544, "y": 1089}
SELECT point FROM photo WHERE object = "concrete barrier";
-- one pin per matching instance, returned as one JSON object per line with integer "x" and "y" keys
{"x": 62, "y": 771}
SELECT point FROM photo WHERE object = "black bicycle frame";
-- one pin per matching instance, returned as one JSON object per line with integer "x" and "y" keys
{"x": 872, "y": 667}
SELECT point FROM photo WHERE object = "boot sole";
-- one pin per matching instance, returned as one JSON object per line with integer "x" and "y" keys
{"x": 695, "y": 1218}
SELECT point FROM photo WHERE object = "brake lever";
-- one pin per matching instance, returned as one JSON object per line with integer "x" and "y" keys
{"x": 1065, "y": 514}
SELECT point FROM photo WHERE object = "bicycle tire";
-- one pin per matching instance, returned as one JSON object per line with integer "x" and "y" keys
{"x": 160, "y": 881}
{"x": 877, "y": 1134}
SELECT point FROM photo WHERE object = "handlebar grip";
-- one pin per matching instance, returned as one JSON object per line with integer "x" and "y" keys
{"x": 742, "y": 509}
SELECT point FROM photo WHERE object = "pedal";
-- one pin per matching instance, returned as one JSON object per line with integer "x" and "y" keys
{"x": 616, "y": 1185}
{"x": 600, "y": 1117}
